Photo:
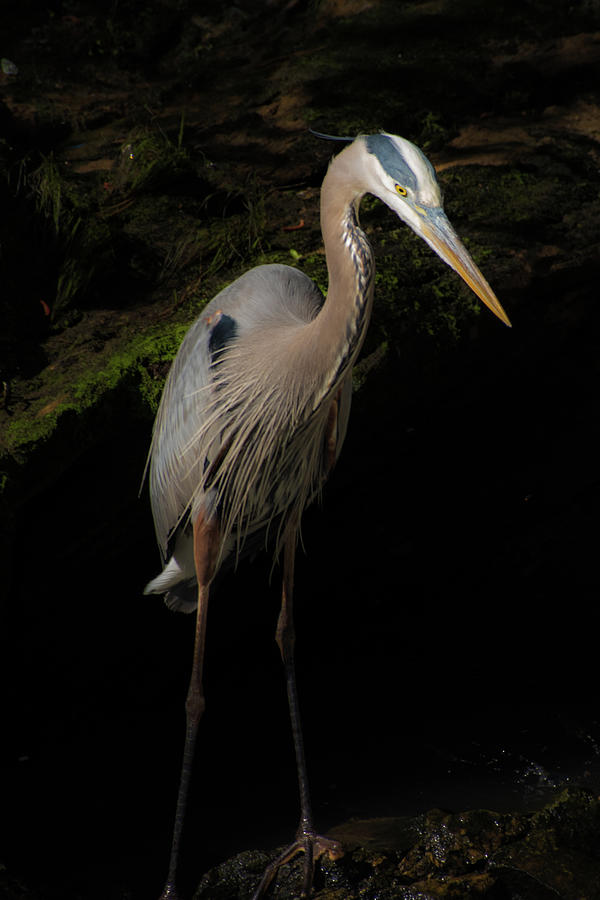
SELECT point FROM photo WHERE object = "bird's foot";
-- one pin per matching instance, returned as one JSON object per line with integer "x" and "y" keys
{"x": 314, "y": 846}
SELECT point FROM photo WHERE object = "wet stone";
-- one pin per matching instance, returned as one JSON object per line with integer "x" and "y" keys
{"x": 443, "y": 856}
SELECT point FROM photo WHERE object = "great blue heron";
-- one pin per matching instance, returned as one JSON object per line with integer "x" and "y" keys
{"x": 254, "y": 414}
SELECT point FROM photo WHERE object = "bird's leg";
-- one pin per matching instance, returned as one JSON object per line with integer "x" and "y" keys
{"x": 205, "y": 550}
{"x": 307, "y": 840}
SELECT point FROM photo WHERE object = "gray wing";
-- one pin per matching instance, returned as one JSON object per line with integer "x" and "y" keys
{"x": 178, "y": 459}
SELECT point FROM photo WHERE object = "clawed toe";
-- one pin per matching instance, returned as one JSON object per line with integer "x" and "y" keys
{"x": 314, "y": 846}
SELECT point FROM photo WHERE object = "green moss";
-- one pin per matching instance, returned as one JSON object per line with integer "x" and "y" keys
{"x": 150, "y": 159}
{"x": 415, "y": 293}
{"x": 140, "y": 365}
{"x": 504, "y": 197}
{"x": 315, "y": 266}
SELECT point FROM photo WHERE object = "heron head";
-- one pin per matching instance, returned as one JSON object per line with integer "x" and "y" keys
{"x": 404, "y": 179}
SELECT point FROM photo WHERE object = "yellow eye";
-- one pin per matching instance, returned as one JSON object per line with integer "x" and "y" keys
{"x": 401, "y": 190}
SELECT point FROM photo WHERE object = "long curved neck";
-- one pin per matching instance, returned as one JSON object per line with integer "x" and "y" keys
{"x": 342, "y": 323}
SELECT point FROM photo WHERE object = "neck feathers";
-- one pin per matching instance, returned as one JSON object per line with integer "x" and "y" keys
{"x": 341, "y": 325}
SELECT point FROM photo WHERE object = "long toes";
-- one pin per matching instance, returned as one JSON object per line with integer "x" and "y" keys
{"x": 314, "y": 846}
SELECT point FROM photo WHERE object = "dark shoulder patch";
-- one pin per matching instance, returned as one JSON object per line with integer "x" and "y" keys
{"x": 223, "y": 330}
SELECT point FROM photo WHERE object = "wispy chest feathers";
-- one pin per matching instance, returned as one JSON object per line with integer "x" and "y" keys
{"x": 261, "y": 459}
{"x": 272, "y": 387}
{"x": 227, "y": 399}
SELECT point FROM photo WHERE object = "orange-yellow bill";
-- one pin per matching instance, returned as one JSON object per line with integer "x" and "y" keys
{"x": 439, "y": 234}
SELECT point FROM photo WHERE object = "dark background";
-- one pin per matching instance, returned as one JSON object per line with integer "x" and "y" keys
{"x": 447, "y": 610}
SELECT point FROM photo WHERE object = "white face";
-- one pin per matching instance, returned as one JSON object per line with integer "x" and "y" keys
{"x": 426, "y": 191}
{"x": 404, "y": 179}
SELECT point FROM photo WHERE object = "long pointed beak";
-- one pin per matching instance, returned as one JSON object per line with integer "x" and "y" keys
{"x": 441, "y": 237}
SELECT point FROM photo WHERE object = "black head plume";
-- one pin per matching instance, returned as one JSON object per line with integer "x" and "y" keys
{"x": 331, "y": 137}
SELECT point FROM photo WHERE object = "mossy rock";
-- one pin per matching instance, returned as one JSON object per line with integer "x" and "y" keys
{"x": 444, "y": 856}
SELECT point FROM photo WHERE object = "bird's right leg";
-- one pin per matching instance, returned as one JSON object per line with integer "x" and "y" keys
{"x": 206, "y": 544}
{"x": 307, "y": 841}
